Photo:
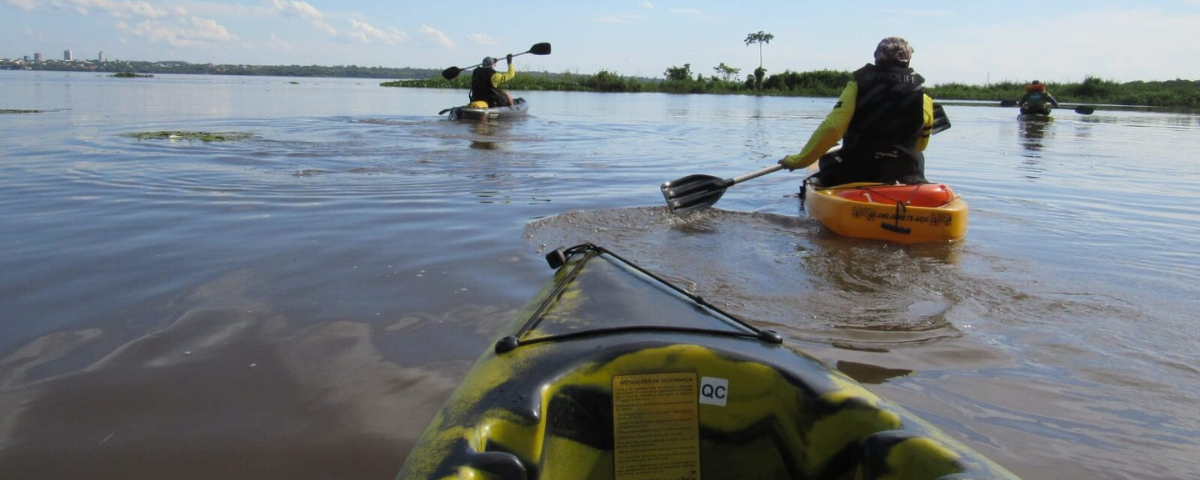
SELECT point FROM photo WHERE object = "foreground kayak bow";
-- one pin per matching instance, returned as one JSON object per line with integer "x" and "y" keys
{"x": 613, "y": 373}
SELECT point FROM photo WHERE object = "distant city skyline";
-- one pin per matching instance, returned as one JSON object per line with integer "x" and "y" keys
{"x": 955, "y": 42}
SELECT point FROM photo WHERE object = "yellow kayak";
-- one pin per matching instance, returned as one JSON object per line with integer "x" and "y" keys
{"x": 919, "y": 213}
{"x": 611, "y": 373}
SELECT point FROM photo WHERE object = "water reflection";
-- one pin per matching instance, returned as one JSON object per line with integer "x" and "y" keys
{"x": 1033, "y": 134}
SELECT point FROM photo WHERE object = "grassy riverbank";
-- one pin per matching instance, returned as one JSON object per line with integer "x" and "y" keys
{"x": 1175, "y": 94}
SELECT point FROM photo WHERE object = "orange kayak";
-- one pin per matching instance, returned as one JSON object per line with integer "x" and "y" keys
{"x": 919, "y": 213}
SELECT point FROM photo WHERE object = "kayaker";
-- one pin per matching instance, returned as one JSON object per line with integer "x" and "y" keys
{"x": 884, "y": 119}
{"x": 486, "y": 81}
{"x": 1035, "y": 99}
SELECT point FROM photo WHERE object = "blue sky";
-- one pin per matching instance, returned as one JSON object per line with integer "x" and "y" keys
{"x": 955, "y": 41}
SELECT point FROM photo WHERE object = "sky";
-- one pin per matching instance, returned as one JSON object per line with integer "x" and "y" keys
{"x": 954, "y": 41}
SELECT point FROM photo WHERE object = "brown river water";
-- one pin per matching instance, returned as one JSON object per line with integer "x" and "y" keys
{"x": 299, "y": 303}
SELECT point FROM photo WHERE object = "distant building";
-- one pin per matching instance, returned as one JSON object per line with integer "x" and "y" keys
{"x": 37, "y": 57}
{"x": 100, "y": 57}
{"x": 68, "y": 56}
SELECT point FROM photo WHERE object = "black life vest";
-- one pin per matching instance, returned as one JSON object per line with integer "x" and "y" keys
{"x": 881, "y": 140}
{"x": 482, "y": 88}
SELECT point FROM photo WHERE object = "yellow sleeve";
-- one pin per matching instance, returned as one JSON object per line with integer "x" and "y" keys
{"x": 830, "y": 132}
{"x": 498, "y": 78}
{"x": 927, "y": 129}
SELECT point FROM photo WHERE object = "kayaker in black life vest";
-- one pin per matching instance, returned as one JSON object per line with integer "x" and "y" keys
{"x": 486, "y": 81}
{"x": 884, "y": 118}
{"x": 1035, "y": 99}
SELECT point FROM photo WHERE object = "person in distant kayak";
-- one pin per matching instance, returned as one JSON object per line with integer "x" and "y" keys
{"x": 884, "y": 119}
{"x": 486, "y": 81}
{"x": 1035, "y": 99}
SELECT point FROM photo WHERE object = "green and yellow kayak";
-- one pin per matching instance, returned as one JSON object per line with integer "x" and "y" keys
{"x": 613, "y": 373}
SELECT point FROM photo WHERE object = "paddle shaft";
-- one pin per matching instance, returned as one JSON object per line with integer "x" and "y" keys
{"x": 539, "y": 49}
{"x": 752, "y": 175}
{"x": 772, "y": 169}
{"x": 1081, "y": 109}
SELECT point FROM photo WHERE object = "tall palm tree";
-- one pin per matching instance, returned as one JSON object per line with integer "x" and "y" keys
{"x": 760, "y": 38}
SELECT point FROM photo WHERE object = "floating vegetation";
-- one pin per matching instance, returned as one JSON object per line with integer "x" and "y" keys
{"x": 132, "y": 75}
{"x": 180, "y": 135}
{"x": 4, "y": 111}
{"x": 294, "y": 83}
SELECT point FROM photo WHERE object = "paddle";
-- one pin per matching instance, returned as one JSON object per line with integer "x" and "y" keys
{"x": 1081, "y": 109}
{"x": 697, "y": 192}
{"x": 537, "y": 49}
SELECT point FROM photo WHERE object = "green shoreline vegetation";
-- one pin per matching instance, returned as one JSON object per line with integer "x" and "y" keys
{"x": 1176, "y": 94}
{"x": 1172, "y": 94}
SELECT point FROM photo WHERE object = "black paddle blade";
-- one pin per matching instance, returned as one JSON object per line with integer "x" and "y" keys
{"x": 1085, "y": 110}
{"x": 540, "y": 49}
{"x": 941, "y": 122}
{"x": 451, "y": 72}
{"x": 694, "y": 192}
{"x": 1008, "y": 103}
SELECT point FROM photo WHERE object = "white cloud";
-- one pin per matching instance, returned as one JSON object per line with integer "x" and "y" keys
{"x": 27, "y": 5}
{"x": 298, "y": 9}
{"x": 366, "y": 33}
{"x": 687, "y": 11}
{"x": 228, "y": 10}
{"x": 277, "y": 43}
{"x": 156, "y": 32}
{"x": 198, "y": 32}
{"x": 305, "y": 11}
{"x": 208, "y": 29}
{"x": 481, "y": 39}
{"x": 122, "y": 9}
{"x": 650, "y": 6}
{"x": 437, "y": 36}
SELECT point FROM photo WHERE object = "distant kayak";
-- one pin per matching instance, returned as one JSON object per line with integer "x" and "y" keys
{"x": 466, "y": 112}
{"x": 1035, "y": 117}
{"x": 919, "y": 213}
{"x": 612, "y": 373}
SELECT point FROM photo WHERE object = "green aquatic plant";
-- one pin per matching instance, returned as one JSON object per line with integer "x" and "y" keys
{"x": 4, "y": 111}
{"x": 181, "y": 135}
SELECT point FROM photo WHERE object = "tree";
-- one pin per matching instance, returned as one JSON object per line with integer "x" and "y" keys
{"x": 760, "y": 38}
{"x": 726, "y": 72}
{"x": 679, "y": 73}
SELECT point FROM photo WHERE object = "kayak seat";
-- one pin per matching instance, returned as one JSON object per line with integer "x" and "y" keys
{"x": 917, "y": 195}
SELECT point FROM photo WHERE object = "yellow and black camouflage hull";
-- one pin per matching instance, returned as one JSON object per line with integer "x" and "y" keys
{"x": 611, "y": 373}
